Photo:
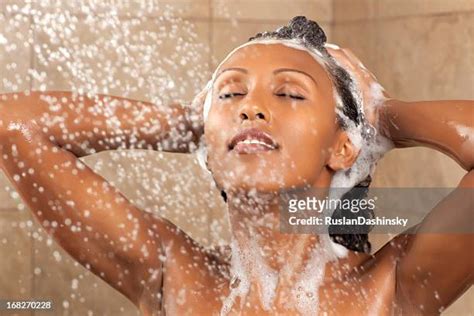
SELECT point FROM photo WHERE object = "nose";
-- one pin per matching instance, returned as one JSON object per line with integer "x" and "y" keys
{"x": 253, "y": 112}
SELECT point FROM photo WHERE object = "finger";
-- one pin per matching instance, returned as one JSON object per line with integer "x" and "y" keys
{"x": 341, "y": 58}
{"x": 332, "y": 46}
{"x": 352, "y": 57}
{"x": 358, "y": 63}
{"x": 334, "y": 50}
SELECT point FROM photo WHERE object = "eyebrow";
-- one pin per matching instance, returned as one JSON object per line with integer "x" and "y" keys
{"x": 294, "y": 70}
{"x": 243, "y": 70}
{"x": 280, "y": 70}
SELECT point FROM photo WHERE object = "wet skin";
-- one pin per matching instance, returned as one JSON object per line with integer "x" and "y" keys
{"x": 290, "y": 97}
{"x": 156, "y": 261}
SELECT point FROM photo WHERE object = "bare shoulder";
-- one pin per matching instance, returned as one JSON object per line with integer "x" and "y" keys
{"x": 378, "y": 274}
{"x": 190, "y": 267}
{"x": 182, "y": 253}
{"x": 390, "y": 254}
{"x": 397, "y": 245}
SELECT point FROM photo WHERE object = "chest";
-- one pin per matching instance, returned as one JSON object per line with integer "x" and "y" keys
{"x": 373, "y": 294}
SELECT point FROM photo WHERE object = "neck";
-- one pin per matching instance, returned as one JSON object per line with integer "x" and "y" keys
{"x": 255, "y": 224}
{"x": 256, "y": 230}
{"x": 277, "y": 264}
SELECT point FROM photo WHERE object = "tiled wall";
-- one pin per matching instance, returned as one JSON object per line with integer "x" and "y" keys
{"x": 418, "y": 49}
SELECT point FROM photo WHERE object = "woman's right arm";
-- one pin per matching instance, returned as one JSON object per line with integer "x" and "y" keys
{"x": 89, "y": 218}
{"x": 84, "y": 125}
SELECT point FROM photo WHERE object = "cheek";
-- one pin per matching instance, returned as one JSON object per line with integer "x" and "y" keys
{"x": 307, "y": 145}
{"x": 217, "y": 127}
{"x": 217, "y": 132}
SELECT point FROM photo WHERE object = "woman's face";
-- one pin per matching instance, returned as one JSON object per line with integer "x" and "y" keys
{"x": 272, "y": 122}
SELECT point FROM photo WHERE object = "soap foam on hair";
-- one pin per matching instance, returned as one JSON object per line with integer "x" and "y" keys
{"x": 251, "y": 266}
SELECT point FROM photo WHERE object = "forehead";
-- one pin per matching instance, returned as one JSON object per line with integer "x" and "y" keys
{"x": 275, "y": 55}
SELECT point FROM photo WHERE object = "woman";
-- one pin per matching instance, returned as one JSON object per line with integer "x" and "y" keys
{"x": 280, "y": 114}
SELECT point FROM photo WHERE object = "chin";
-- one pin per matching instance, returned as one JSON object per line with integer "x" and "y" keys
{"x": 255, "y": 185}
{"x": 264, "y": 172}
{"x": 268, "y": 180}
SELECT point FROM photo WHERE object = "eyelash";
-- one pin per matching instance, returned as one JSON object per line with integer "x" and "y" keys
{"x": 230, "y": 95}
{"x": 291, "y": 96}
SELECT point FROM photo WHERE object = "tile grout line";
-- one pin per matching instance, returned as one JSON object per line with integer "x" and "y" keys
{"x": 402, "y": 17}
{"x": 185, "y": 17}
{"x": 211, "y": 34}
{"x": 255, "y": 20}
{"x": 332, "y": 23}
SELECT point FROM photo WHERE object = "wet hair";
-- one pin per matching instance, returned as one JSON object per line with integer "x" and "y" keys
{"x": 310, "y": 34}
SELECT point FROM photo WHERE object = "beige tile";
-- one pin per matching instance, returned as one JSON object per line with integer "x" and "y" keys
{"x": 462, "y": 306}
{"x": 171, "y": 185}
{"x": 350, "y": 10}
{"x": 7, "y": 201}
{"x": 72, "y": 288}
{"x": 415, "y": 58}
{"x": 15, "y": 60}
{"x": 272, "y": 10}
{"x": 16, "y": 254}
{"x": 144, "y": 59}
{"x": 3, "y": 6}
{"x": 129, "y": 8}
{"x": 15, "y": 52}
{"x": 12, "y": 6}
{"x": 377, "y": 241}
{"x": 360, "y": 38}
{"x": 428, "y": 57}
{"x": 189, "y": 8}
{"x": 397, "y": 8}
{"x": 228, "y": 35}
{"x": 417, "y": 167}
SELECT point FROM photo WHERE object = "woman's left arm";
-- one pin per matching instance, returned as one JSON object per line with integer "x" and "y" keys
{"x": 437, "y": 264}
{"x": 447, "y": 126}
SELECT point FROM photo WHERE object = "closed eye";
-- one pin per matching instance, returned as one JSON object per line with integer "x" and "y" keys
{"x": 230, "y": 95}
{"x": 292, "y": 96}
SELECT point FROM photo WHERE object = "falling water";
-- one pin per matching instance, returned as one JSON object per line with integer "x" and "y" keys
{"x": 142, "y": 51}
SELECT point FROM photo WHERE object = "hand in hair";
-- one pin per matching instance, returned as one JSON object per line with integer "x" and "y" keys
{"x": 372, "y": 93}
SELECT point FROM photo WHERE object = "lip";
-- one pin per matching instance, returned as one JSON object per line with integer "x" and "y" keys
{"x": 251, "y": 141}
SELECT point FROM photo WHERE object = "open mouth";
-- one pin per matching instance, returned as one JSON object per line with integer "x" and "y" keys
{"x": 252, "y": 141}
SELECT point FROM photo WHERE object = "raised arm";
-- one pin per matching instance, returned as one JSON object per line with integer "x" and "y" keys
{"x": 40, "y": 140}
{"x": 447, "y": 126}
{"x": 90, "y": 219}
{"x": 85, "y": 125}
{"x": 436, "y": 265}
